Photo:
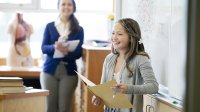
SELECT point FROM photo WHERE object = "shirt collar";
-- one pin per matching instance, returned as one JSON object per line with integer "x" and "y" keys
{"x": 58, "y": 22}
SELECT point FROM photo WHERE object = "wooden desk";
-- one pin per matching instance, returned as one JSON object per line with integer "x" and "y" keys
{"x": 30, "y": 75}
{"x": 24, "y": 72}
{"x": 33, "y": 100}
{"x": 93, "y": 58}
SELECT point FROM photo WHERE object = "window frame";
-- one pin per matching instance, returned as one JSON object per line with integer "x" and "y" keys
{"x": 9, "y": 6}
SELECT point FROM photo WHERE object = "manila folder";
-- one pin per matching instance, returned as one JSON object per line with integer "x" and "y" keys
{"x": 105, "y": 92}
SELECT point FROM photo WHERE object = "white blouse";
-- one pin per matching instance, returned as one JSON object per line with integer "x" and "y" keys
{"x": 62, "y": 29}
{"x": 116, "y": 76}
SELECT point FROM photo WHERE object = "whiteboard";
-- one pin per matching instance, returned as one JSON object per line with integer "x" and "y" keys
{"x": 163, "y": 27}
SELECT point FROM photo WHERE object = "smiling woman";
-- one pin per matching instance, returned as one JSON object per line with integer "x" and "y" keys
{"x": 93, "y": 19}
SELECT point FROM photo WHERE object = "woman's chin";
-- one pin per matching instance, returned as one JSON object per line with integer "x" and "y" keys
{"x": 117, "y": 47}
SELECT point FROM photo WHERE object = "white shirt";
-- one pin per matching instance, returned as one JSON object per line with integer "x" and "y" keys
{"x": 62, "y": 29}
{"x": 116, "y": 76}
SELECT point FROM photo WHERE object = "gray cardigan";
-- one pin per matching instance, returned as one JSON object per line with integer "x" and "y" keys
{"x": 142, "y": 82}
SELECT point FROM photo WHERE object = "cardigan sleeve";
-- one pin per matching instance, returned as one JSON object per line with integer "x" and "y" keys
{"x": 47, "y": 45}
{"x": 106, "y": 68}
{"x": 103, "y": 76}
{"x": 150, "y": 85}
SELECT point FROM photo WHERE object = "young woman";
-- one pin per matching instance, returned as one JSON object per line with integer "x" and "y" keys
{"x": 129, "y": 64}
{"x": 58, "y": 74}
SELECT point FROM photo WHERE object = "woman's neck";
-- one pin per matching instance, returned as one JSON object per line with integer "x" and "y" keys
{"x": 64, "y": 19}
{"x": 121, "y": 56}
{"x": 122, "y": 53}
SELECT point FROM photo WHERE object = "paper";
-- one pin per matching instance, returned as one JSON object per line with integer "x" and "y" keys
{"x": 71, "y": 45}
{"x": 58, "y": 54}
{"x": 85, "y": 80}
{"x": 105, "y": 92}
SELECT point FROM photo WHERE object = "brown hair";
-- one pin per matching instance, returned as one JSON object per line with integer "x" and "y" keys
{"x": 74, "y": 24}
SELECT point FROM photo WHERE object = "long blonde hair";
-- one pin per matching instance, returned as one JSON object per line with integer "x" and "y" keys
{"x": 135, "y": 47}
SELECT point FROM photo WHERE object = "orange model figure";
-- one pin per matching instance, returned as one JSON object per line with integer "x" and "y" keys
{"x": 20, "y": 52}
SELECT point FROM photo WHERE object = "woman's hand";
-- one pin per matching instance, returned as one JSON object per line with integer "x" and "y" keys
{"x": 122, "y": 88}
{"x": 64, "y": 50}
{"x": 96, "y": 101}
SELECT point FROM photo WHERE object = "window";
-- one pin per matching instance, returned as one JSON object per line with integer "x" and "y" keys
{"x": 18, "y": 4}
{"x": 39, "y": 12}
{"x": 94, "y": 17}
{"x": 51, "y": 4}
